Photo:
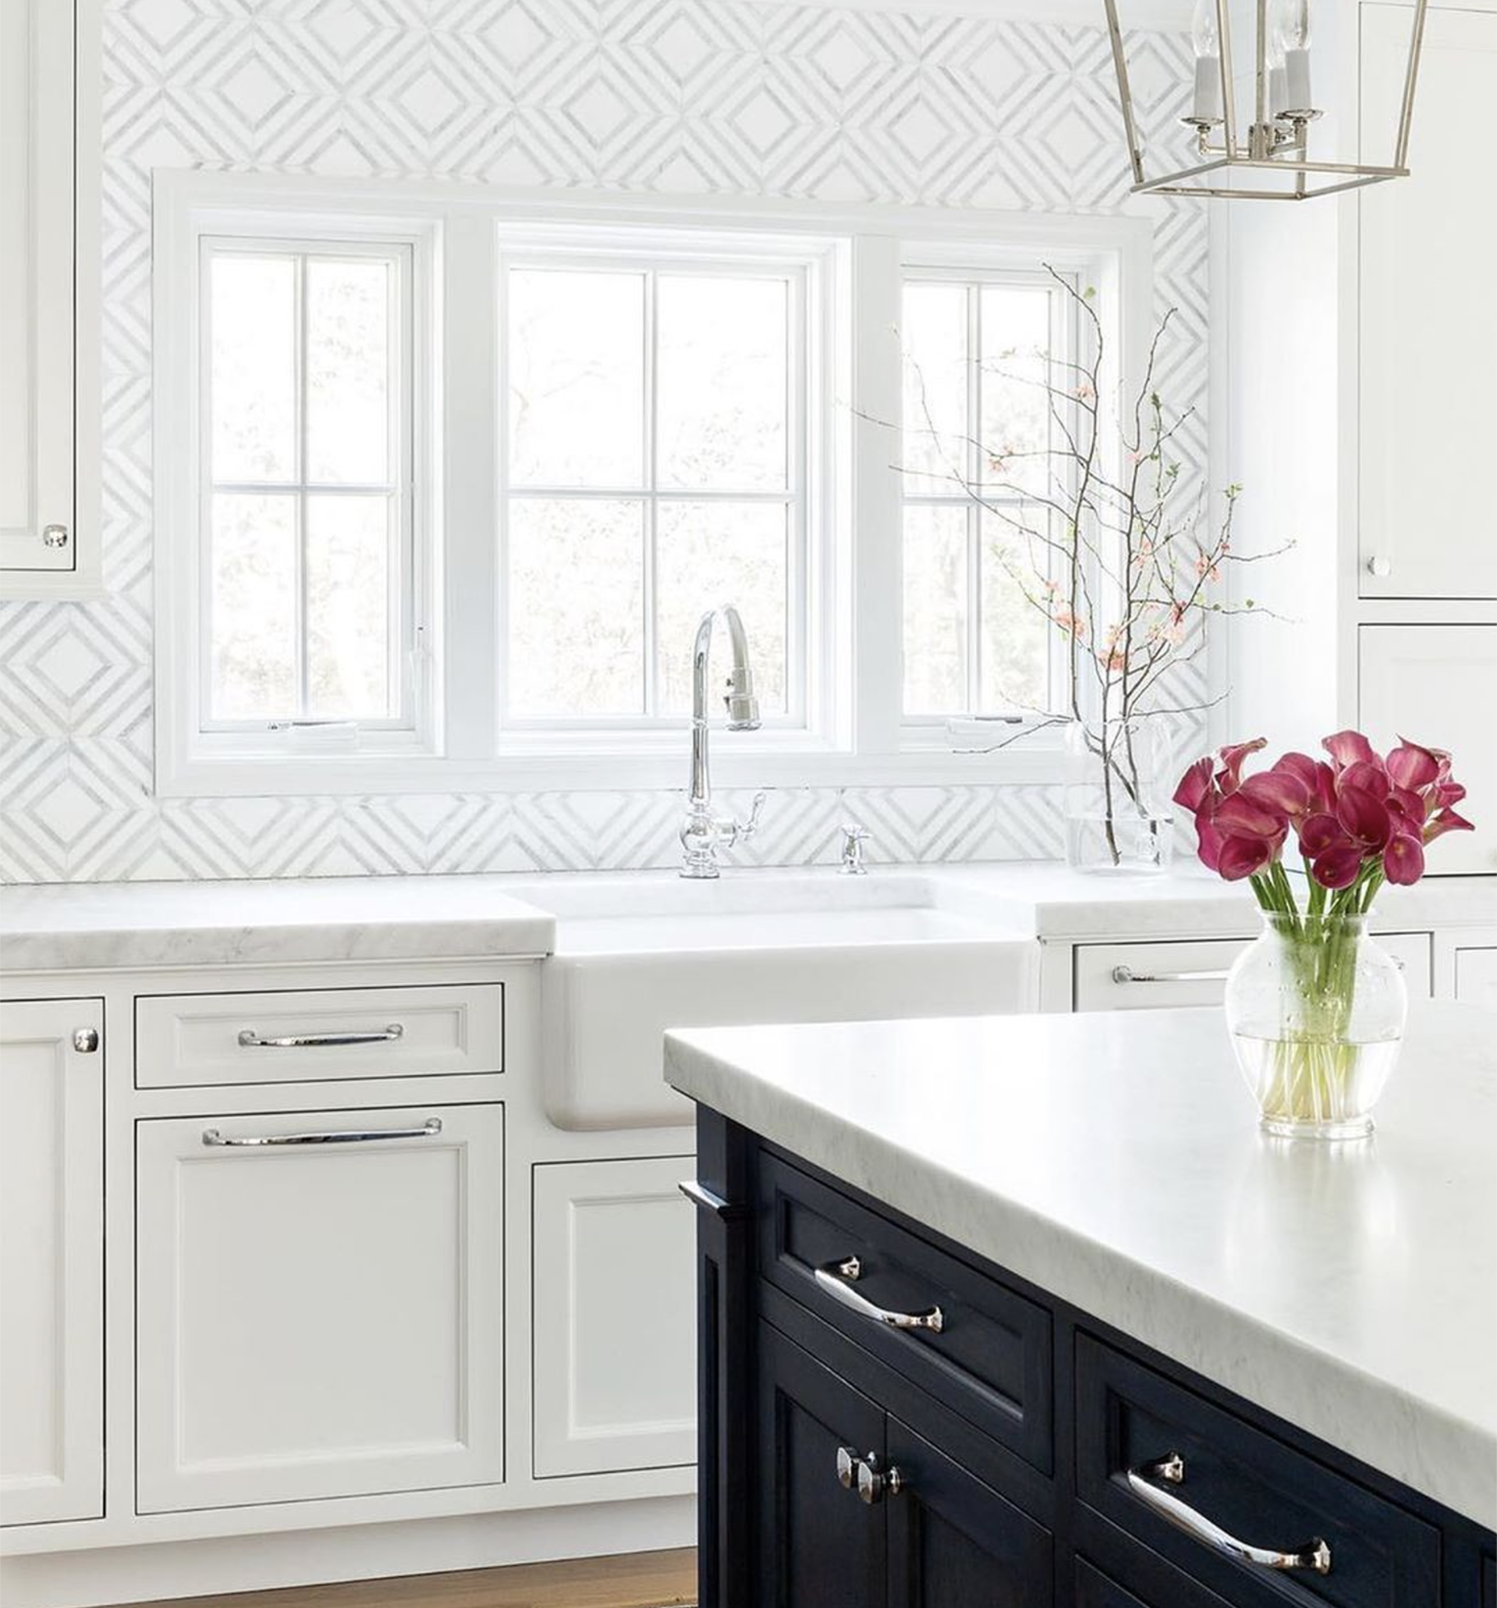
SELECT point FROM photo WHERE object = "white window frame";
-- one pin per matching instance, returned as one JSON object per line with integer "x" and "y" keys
{"x": 814, "y": 268}
{"x": 854, "y": 732}
{"x": 402, "y": 728}
{"x": 1064, "y": 347}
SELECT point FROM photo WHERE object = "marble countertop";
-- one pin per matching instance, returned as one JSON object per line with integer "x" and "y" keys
{"x": 88, "y": 926}
{"x": 1115, "y": 1160}
{"x": 124, "y": 925}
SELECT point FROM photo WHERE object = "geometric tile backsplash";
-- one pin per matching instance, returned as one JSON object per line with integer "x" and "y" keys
{"x": 677, "y": 96}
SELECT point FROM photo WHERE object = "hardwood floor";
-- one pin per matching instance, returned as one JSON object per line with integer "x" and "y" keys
{"x": 635, "y": 1580}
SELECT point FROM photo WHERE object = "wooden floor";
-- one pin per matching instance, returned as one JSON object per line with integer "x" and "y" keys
{"x": 637, "y": 1580}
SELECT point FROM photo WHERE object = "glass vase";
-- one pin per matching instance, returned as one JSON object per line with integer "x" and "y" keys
{"x": 1316, "y": 1011}
{"x": 1117, "y": 812}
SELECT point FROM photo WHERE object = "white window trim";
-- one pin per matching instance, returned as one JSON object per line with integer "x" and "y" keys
{"x": 856, "y": 682}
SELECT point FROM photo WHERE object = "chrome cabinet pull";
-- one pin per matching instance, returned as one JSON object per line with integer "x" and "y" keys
{"x": 1126, "y": 974}
{"x": 1314, "y": 1554}
{"x": 85, "y": 1040}
{"x": 848, "y": 1464}
{"x": 831, "y": 1278}
{"x": 251, "y": 1040}
{"x": 353, "y": 1136}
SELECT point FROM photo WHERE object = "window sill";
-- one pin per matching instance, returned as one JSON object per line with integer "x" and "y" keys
{"x": 348, "y": 775}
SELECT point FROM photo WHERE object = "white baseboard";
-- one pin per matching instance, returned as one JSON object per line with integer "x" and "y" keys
{"x": 87, "y": 1579}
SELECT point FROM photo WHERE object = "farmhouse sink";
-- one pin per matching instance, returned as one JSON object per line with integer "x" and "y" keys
{"x": 636, "y": 956}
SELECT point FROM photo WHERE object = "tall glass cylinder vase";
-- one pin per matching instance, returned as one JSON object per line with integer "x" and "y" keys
{"x": 1117, "y": 812}
{"x": 1316, "y": 1011}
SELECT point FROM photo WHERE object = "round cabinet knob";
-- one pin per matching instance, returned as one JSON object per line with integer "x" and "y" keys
{"x": 875, "y": 1484}
{"x": 1380, "y": 568}
{"x": 848, "y": 1463}
{"x": 85, "y": 1040}
{"x": 54, "y": 535}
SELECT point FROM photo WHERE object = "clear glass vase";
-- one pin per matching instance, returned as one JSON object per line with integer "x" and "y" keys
{"x": 1117, "y": 812}
{"x": 1316, "y": 1011}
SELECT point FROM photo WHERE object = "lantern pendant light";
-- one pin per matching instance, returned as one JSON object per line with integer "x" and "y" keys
{"x": 1274, "y": 161}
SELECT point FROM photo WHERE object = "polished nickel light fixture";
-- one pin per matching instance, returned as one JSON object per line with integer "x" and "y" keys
{"x": 1273, "y": 163}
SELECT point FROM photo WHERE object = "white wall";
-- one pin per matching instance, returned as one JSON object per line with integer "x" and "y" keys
{"x": 682, "y": 96}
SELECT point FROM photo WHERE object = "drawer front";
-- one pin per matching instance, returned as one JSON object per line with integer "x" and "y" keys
{"x": 304, "y": 1036}
{"x": 1130, "y": 977}
{"x": 1247, "y": 1483}
{"x": 1170, "y": 1590}
{"x": 990, "y": 1359}
{"x": 1122, "y": 977}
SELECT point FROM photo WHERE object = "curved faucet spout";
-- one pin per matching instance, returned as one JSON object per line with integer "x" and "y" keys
{"x": 702, "y": 831}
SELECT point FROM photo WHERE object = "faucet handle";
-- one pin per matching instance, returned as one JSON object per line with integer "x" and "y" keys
{"x": 746, "y": 829}
{"x": 854, "y": 837}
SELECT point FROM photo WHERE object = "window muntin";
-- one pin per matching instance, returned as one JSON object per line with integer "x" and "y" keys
{"x": 977, "y": 353}
{"x": 306, "y": 483}
{"x": 657, "y": 432}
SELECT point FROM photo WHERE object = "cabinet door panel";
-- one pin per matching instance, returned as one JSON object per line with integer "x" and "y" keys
{"x": 318, "y": 1319}
{"x": 819, "y": 1546}
{"x": 954, "y": 1540}
{"x": 1476, "y": 977}
{"x": 36, "y": 283}
{"x": 51, "y": 1262}
{"x": 1437, "y": 684}
{"x": 1427, "y": 351}
{"x": 615, "y": 1338}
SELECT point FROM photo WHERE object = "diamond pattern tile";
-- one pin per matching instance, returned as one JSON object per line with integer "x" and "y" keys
{"x": 736, "y": 96}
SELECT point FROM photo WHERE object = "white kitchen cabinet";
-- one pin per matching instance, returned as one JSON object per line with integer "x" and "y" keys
{"x": 614, "y": 1322}
{"x": 318, "y": 1316}
{"x": 1437, "y": 684}
{"x": 49, "y": 333}
{"x": 1428, "y": 329}
{"x": 51, "y": 1261}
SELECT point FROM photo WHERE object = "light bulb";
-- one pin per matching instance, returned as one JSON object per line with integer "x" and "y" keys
{"x": 1206, "y": 107}
{"x": 1291, "y": 25}
{"x": 1289, "y": 33}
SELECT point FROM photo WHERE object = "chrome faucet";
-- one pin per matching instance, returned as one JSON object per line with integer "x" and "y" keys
{"x": 702, "y": 832}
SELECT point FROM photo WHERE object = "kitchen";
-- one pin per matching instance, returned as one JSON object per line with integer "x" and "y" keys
{"x": 560, "y": 560}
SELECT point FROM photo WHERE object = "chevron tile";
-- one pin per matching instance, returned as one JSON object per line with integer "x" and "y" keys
{"x": 666, "y": 96}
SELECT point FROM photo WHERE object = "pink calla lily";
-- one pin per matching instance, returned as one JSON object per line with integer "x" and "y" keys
{"x": 1360, "y": 820}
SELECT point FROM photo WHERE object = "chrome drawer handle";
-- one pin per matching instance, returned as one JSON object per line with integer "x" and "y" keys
{"x": 251, "y": 1040}
{"x": 1126, "y": 974}
{"x": 1314, "y": 1554}
{"x": 831, "y": 1277}
{"x": 353, "y": 1136}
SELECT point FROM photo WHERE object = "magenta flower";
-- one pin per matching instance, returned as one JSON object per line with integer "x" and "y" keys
{"x": 1359, "y": 820}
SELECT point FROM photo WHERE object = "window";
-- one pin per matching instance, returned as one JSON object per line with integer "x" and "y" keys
{"x": 446, "y": 481}
{"x": 978, "y": 354}
{"x": 306, "y": 492}
{"x": 655, "y": 446}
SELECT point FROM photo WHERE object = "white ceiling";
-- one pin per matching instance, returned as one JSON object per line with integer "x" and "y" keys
{"x": 1134, "y": 13}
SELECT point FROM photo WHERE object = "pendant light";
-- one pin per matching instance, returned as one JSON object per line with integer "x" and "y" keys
{"x": 1275, "y": 161}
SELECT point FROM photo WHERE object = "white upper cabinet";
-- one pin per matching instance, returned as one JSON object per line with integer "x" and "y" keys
{"x": 51, "y": 1261}
{"x": 49, "y": 343}
{"x": 1428, "y": 524}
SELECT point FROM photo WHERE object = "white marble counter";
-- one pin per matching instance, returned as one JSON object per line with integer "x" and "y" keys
{"x": 88, "y": 926}
{"x": 1115, "y": 1160}
{"x": 125, "y": 925}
